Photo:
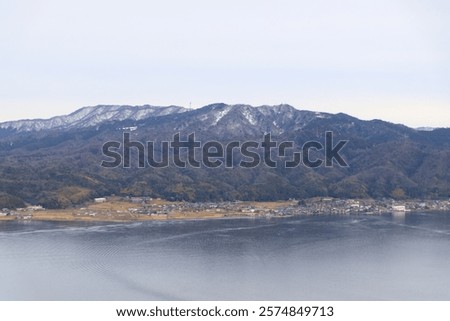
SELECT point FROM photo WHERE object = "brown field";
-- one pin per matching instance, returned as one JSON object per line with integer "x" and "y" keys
{"x": 269, "y": 205}
{"x": 7, "y": 218}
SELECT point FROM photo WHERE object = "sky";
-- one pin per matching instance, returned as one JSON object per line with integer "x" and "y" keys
{"x": 385, "y": 59}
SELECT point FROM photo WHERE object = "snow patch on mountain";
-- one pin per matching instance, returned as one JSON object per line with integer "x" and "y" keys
{"x": 249, "y": 116}
{"x": 220, "y": 114}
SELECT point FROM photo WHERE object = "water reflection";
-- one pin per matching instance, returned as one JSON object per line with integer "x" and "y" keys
{"x": 399, "y": 217}
{"x": 403, "y": 256}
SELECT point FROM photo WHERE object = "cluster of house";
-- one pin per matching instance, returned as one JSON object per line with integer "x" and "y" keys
{"x": 313, "y": 206}
{"x": 22, "y": 213}
{"x": 366, "y": 206}
{"x": 5, "y": 212}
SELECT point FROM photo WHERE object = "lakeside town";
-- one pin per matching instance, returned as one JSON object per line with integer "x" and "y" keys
{"x": 146, "y": 208}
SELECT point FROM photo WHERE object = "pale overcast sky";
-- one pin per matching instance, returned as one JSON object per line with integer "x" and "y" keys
{"x": 385, "y": 59}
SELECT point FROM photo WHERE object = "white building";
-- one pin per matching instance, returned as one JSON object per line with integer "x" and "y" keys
{"x": 399, "y": 208}
{"x": 35, "y": 208}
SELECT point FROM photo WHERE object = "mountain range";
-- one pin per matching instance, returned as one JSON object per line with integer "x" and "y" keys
{"x": 56, "y": 162}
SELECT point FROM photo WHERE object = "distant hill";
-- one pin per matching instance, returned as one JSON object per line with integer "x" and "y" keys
{"x": 56, "y": 162}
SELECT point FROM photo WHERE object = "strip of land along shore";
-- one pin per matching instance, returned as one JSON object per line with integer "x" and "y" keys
{"x": 126, "y": 209}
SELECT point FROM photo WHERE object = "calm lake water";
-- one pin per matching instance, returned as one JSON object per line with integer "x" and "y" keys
{"x": 390, "y": 257}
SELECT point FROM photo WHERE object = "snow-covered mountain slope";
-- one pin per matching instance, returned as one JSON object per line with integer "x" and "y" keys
{"x": 221, "y": 117}
{"x": 92, "y": 116}
{"x": 226, "y": 119}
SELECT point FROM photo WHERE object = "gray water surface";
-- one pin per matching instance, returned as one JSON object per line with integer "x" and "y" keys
{"x": 389, "y": 257}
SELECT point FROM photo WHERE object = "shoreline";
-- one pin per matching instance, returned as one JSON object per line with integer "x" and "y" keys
{"x": 116, "y": 210}
{"x": 111, "y": 219}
